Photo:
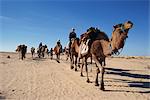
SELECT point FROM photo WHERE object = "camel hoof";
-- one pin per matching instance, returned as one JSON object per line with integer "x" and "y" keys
{"x": 81, "y": 75}
{"x": 102, "y": 88}
{"x": 98, "y": 71}
{"x": 96, "y": 84}
{"x": 75, "y": 69}
{"x": 79, "y": 66}
{"x": 72, "y": 67}
{"x": 58, "y": 61}
{"x": 88, "y": 81}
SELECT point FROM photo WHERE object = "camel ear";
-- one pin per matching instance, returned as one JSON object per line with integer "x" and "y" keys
{"x": 114, "y": 26}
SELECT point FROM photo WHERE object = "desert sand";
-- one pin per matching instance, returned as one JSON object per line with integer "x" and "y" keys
{"x": 45, "y": 79}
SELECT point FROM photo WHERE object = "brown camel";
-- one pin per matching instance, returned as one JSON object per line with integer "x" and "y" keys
{"x": 74, "y": 50}
{"x": 42, "y": 50}
{"x": 33, "y": 51}
{"x": 66, "y": 51}
{"x": 22, "y": 50}
{"x": 19, "y": 51}
{"x": 57, "y": 51}
{"x": 101, "y": 47}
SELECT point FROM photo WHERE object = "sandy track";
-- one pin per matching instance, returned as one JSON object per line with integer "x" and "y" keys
{"x": 46, "y": 79}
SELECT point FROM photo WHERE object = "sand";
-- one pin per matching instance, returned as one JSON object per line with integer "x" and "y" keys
{"x": 45, "y": 79}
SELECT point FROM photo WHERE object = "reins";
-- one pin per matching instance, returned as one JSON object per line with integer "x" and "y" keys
{"x": 118, "y": 52}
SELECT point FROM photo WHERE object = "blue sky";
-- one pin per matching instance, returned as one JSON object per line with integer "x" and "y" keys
{"x": 33, "y": 21}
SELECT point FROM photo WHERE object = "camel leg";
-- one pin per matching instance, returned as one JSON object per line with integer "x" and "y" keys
{"x": 91, "y": 63}
{"x": 102, "y": 78}
{"x": 82, "y": 67}
{"x": 22, "y": 55}
{"x": 43, "y": 54}
{"x": 71, "y": 62}
{"x": 101, "y": 74}
{"x": 32, "y": 55}
{"x": 39, "y": 54}
{"x": 51, "y": 56}
{"x": 57, "y": 57}
{"x": 78, "y": 60}
{"x": 76, "y": 63}
{"x": 91, "y": 59}
{"x": 96, "y": 80}
{"x": 66, "y": 57}
{"x": 85, "y": 61}
{"x": 104, "y": 62}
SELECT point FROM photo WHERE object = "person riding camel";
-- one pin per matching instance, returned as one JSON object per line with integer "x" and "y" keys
{"x": 40, "y": 45}
{"x": 51, "y": 53}
{"x": 72, "y": 34}
{"x": 59, "y": 44}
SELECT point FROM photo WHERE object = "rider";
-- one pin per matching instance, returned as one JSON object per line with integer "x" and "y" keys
{"x": 40, "y": 45}
{"x": 72, "y": 35}
{"x": 51, "y": 52}
{"x": 59, "y": 44}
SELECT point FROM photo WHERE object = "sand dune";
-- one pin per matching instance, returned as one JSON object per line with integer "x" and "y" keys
{"x": 45, "y": 79}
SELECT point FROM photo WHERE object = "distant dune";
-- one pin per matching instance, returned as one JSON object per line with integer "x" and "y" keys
{"x": 132, "y": 57}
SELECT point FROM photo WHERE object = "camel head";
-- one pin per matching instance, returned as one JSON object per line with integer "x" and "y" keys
{"x": 119, "y": 35}
{"x": 18, "y": 48}
{"x": 128, "y": 25}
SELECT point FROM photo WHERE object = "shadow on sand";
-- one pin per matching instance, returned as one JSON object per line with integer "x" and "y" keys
{"x": 127, "y": 91}
{"x": 39, "y": 59}
{"x": 123, "y": 72}
{"x": 2, "y": 97}
{"x": 136, "y": 84}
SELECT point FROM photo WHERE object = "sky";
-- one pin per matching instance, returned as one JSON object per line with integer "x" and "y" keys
{"x": 33, "y": 21}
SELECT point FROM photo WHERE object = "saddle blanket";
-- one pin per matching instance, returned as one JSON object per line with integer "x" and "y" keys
{"x": 84, "y": 47}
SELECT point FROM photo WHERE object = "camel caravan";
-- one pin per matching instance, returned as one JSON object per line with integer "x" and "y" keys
{"x": 93, "y": 44}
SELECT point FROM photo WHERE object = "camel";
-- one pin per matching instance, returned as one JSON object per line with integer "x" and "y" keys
{"x": 73, "y": 52}
{"x": 66, "y": 51}
{"x": 47, "y": 51}
{"x": 33, "y": 51}
{"x": 22, "y": 50}
{"x": 57, "y": 51}
{"x": 41, "y": 51}
{"x": 51, "y": 53}
{"x": 100, "y": 47}
{"x": 19, "y": 51}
